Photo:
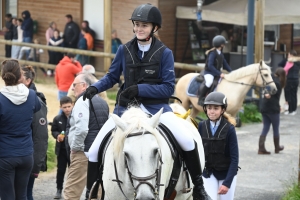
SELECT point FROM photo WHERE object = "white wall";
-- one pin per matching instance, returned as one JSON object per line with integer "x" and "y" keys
{"x": 93, "y": 11}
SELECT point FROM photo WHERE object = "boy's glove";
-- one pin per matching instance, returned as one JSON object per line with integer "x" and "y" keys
{"x": 130, "y": 92}
{"x": 90, "y": 92}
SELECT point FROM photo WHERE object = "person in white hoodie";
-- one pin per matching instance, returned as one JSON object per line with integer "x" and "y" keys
{"x": 17, "y": 106}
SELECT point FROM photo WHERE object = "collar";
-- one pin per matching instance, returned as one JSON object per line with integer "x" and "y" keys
{"x": 213, "y": 124}
{"x": 144, "y": 48}
{"x": 219, "y": 52}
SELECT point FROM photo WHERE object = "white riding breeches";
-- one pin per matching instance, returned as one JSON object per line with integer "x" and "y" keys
{"x": 174, "y": 124}
{"x": 208, "y": 80}
{"x": 212, "y": 186}
{"x": 169, "y": 119}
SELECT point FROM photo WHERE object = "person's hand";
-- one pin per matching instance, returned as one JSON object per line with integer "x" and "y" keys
{"x": 267, "y": 95}
{"x": 90, "y": 92}
{"x": 60, "y": 138}
{"x": 222, "y": 75}
{"x": 72, "y": 151}
{"x": 223, "y": 189}
{"x": 130, "y": 92}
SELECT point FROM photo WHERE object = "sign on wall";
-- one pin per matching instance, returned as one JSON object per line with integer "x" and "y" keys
{"x": 94, "y": 13}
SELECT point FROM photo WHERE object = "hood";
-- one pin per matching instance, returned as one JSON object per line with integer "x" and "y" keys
{"x": 26, "y": 13}
{"x": 65, "y": 60}
{"x": 17, "y": 94}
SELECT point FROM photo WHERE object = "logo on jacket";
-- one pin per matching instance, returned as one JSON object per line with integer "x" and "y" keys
{"x": 42, "y": 121}
{"x": 148, "y": 71}
{"x": 80, "y": 115}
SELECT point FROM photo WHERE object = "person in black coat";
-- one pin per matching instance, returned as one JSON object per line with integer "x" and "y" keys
{"x": 270, "y": 110}
{"x": 8, "y": 30}
{"x": 39, "y": 131}
{"x": 58, "y": 130}
{"x": 71, "y": 33}
{"x": 27, "y": 26}
{"x": 292, "y": 82}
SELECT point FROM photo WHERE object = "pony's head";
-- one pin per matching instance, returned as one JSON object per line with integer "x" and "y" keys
{"x": 265, "y": 79}
{"x": 136, "y": 142}
{"x": 259, "y": 74}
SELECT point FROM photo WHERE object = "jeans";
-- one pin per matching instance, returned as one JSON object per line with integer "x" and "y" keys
{"x": 27, "y": 39}
{"x": 14, "y": 176}
{"x": 15, "y": 50}
{"x": 30, "y": 188}
{"x": 268, "y": 119}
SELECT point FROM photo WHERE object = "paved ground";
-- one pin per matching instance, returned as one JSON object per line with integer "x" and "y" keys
{"x": 262, "y": 177}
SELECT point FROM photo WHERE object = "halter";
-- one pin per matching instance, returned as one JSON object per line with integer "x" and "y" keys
{"x": 265, "y": 83}
{"x": 145, "y": 179}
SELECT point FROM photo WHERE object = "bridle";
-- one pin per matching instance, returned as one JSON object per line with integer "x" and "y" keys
{"x": 142, "y": 180}
{"x": 259, "y": 72}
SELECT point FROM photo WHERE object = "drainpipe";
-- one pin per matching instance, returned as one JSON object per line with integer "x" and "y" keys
{"x": 199, "y": 13}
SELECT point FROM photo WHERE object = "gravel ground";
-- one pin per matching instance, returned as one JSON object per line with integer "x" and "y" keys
{"x": 262, "y": 177}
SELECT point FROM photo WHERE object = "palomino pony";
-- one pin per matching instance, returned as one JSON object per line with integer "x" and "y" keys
{"x": 234, "y": 85}
{"x": 138, "y": 161}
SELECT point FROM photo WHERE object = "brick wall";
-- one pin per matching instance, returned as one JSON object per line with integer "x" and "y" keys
{"x": 46, "y": 11}
{"x": 121, "y": 13}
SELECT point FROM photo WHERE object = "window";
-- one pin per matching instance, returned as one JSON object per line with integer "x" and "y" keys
{"x": 296, "y": 34}
{"x": 93, "y": 12}
{"x": 11, "y": 7}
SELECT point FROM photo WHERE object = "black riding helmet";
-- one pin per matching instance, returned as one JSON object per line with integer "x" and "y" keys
{"x": 215, "y": 98}
{"x": 147, "y": 13}
{"x": 218, "y": 41}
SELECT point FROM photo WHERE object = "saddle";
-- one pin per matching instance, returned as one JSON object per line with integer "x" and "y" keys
{"x": 177, "y": 155}
{"x": 200, "y": 79}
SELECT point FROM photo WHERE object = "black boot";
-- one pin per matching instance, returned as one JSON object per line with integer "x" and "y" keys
{"x": 58, "y": 194}
{"x": 92, "y": 175}
{"x": 202, "y": 95}
{"x": 276, "y": 144}
{"x": 193, "y": 164}
{"x": 261, "y": 146}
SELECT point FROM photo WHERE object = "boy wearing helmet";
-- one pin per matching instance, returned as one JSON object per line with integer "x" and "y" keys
{"x": 220, "y": 148}
{"x": 214, "y": 64}
{"x": 148, "y": 69}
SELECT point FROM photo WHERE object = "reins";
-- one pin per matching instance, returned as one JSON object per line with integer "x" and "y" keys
{"x": 265, "y": 83}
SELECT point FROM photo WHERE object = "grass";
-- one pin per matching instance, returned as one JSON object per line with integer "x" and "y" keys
{"x": 51, "y": 157}
{"x": 112, "y": 94}
{"x": 293, "y": 193}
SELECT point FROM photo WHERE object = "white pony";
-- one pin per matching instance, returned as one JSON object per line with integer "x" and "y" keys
{"x": 143, "y": 160}
{"x": 235, "y": 87}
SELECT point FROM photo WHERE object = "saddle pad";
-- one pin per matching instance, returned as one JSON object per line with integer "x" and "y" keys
{"x": 193, "y": 88}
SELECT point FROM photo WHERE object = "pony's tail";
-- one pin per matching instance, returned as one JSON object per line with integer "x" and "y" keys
{"x": 229, "y": 118}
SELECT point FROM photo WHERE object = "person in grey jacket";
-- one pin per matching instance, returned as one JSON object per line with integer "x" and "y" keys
{"x": 39, "y": 131}
{"x": 86, "y": 120}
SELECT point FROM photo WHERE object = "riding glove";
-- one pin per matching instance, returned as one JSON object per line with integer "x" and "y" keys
{"x": 90, "y": 92}
{"x": 130, "y": 92}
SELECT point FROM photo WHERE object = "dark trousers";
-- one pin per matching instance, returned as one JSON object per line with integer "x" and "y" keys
{"x": 8, "y": 51}
{"x": 14, "y": 176}
{"x": 30, "y": 188}
{"x": 268, "y": 119}
{"x": 290, "y": 93}
{"x": 62, "y": 162}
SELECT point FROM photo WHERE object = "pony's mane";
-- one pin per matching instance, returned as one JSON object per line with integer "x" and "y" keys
{"x": 136, "y": 121}
{"x": 245, "y": 71}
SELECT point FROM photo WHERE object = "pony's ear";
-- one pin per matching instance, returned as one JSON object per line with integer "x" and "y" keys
{"x": 154, "y": 120}
{"x": 119, "y": 122}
